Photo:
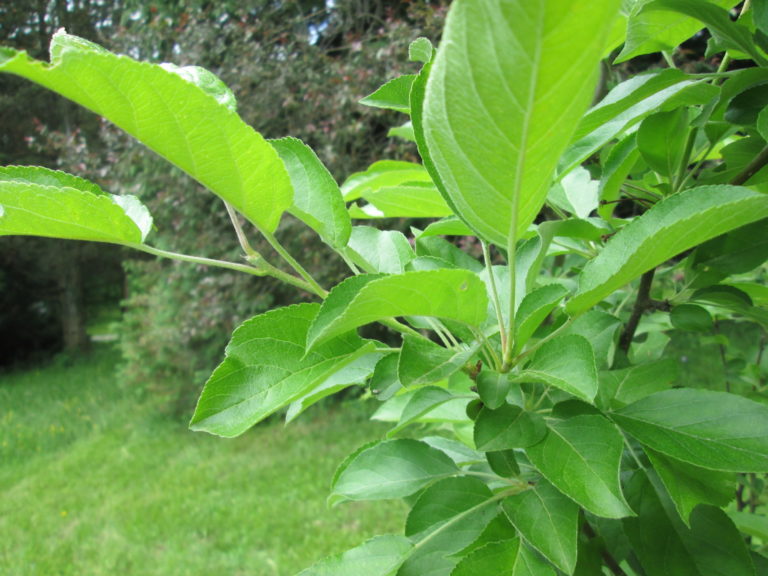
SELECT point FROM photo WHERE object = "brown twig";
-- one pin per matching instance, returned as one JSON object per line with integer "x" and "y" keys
{"x": 643, "y": 303}
{"x": 752, "y": 168}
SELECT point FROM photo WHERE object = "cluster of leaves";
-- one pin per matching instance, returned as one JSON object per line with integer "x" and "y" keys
{"x": 538, "y": 423}
{"x": 265, "y": 54}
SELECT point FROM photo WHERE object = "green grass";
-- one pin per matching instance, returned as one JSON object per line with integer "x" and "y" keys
{"x": 94, "y": 481}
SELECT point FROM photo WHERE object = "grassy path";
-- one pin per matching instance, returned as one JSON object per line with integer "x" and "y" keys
{"x": 94, "y": 482}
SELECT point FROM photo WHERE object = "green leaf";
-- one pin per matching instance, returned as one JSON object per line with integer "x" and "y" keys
{"x": 710, "y": 547}
{"x": 506, "y": 558}
{"x": 503, "y": 75}
{"x": 41, "y": 202}
{"x": 267, "y": 367}
{"x": 380, "y": 556}
{"x": 200, "y": 135}
{"x": 548, "y": 521}
{"x": 383, "y": 174}
{"x": 423, "y": 401}
{"x": 447, "y": 517}
{"x": 441, "y": 248}
{"x": 726, "y": 32}
{"x": 737, "y": 252}
{"x": 390, "y": 469}
{"x": 379, "y": 250}
{"x": 652, "y": 30}
{"x": 691, "y": 318}
{"x": 621, "y": 387}
{"x": 688, "y": 486}
{"x": 493, "y": 388}
{"x": 420, "y": 50}
{"x": 616, "y": 168}
{"x": 751, "y": 524}
{"x": 630, "y": 102}
{"x": 581, "y": 457}
{"x": 354, "y": 373}
{"x": 566, "y": 362}
{"x": 405, "y": 131}
{"x": 423, "y": 362}
{"x": 504, "y": 463}
{"x": 394, "y": 95}
{"x": 414, "y": 200}
{"x": 534, "y": 309}
{"x": 714, "y": 430}
{"x": 317, "y": 200}
{"x": 673, "y": 225}
{"x": 508, "y": 427}
{"x": 661, "y": 140}
{"x": 576, "y": 193}
{"x": 599, "y": 328}
{"x": 454, "y": 294}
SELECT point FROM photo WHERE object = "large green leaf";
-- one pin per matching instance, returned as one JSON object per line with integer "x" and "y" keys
{"x": 630, "y": 102}
{"x": 673, "y": 225}
{"x": 447, "y": 517}
{"x": 727, "y": 33}
{"x": 581, "y": 456}
{"x": 42, "y": 202}
{"x": 267, "y": 367}
{"x": 621, "y": 387}
{"x": 688, "y": 486}
{"x": 505, "y": 558}
{"x": 423, "y": 362}
{"x": 317, "y": 198}
{"x": 548, "y": 521}
{"x": 664, "y": 545}
{"x": 454, "y": 294}
{"x": 423, "y": 401}
{"x": 652, "y": 30}
{"x": 507, "y": 88}
{"x": 184, "y": 115}
{"x": 714, "y": 430}
{"x": 566, "y": 362}
{"x": 390, "y": 469}
{"x": 377, "y": 250}
{"x": 508, "y": 427}
{"x": 382, "y": 174}
{"x": 661, "y": 140}
{"x": 534, "y": 309}
{"x": 412, "y": 200}
{"x": 380, "y": 556}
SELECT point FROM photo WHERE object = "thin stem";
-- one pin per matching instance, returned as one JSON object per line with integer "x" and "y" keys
{"x": 200, "y": 260}
{"x": 643, "y": 302}
{"x": 682, "y": 171}
{"x": 241, "y": 238}
{"x": 631, "y": 450}
{"x": 439, "y": 331}
{"x": 487, "y": 350}
{"x": 506, "y": 351}
{"x": 609, "y": 560}
{"x": 760, "y": 161}
{"x": 668, "y": 59}
{"x": 495, "y": 294}
{"x": 348, "y": 262}
{"x": 398, "y": 326}
{"x": 264, "y": 268}
{"x": 315, "y": 287}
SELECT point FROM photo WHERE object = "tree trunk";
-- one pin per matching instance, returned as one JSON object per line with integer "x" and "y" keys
{"x": 71, "y": 301}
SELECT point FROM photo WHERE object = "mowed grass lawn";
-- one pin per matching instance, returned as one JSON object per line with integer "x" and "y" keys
{"x": 95, "y": 481}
